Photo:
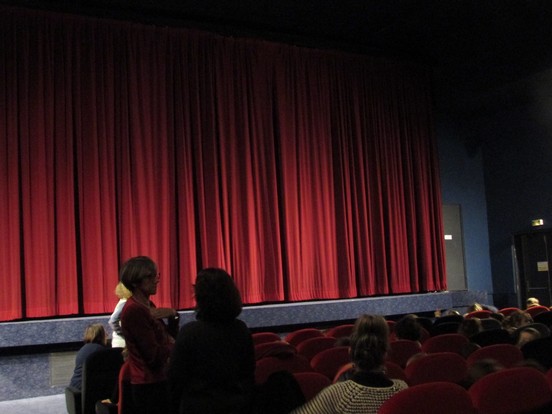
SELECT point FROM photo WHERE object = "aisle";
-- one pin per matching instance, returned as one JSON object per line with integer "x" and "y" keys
{"x": 52, "y": 404}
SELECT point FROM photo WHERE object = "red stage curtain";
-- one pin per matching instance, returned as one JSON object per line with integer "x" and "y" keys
{"x": 307, "y": 174}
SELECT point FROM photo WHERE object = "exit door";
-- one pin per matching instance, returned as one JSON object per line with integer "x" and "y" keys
{"x": 533, "y": 252}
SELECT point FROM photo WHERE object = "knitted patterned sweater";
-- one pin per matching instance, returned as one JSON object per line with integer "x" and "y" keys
{"x": 349, "y": 397}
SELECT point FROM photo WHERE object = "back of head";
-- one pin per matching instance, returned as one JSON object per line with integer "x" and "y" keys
{"x": 475, "y": 307}
{"x": 122, "y": 292}
{"x": 469, "y": 327}
{"x": 369, "y": 342}
{"x": 408, "y": 327}
{"x": 95, "y": 334}
{"x": 481, "y": 368}
{"x": 517, "y": 319}
{"x": 532, "y": 302}
{"x": 217, "y": 297}
{"x": 135, "y": 270}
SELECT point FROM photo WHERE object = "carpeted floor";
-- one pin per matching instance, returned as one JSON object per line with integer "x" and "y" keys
{"x": 52, "y": 404}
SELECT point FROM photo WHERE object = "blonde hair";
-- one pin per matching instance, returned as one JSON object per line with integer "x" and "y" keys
{"x": 95, "y": 333}
{"x": 122, "y": 292}
{"x": 532, "y": 302}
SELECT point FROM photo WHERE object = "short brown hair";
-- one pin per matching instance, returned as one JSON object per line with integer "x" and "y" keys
{"x": 136, "y": 269}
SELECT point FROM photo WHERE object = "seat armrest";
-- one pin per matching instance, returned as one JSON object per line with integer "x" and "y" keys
{"x": 73, "y": 400}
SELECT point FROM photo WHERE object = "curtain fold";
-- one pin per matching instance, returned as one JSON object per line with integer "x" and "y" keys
{"x": 307, "y": 174}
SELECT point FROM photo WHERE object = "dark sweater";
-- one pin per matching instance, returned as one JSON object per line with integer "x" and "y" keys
{"x": 212, "y": 368}
{"x": 87, "y": 350}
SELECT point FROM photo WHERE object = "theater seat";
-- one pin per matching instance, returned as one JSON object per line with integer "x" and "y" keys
{"x": 535, "y": 310}
{"x": 275, "y": 348}
{"x": 539, "y": 350}
{"x": 512, "y": 391}
{"x": 312, "y": 346}
{"x": 508, "y": 311}
{"x": 291, "y": 363}
{"x": 100, "y": 373}
{"x": 329, "y": 362}
{"x": 262, "y": 337}
{"x": 311, "y": 383}
{"x": 491, "y": 337}
{"x": 452, "y": 342}
{"x": 506, "y": 355}
{"x": 298, "y": 336}
{"x": 340, "y": 331}
{"x": 430, "y": 398}
{"x": 481, "y": 314}
{"x": 439, "y": 366}
{"x": 401, "y": 350}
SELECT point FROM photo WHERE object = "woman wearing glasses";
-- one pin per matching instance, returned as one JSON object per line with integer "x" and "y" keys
{"x": 148, "y": 341}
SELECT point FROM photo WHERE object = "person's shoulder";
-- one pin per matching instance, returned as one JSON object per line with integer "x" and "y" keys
{"x": 399, "y": 384}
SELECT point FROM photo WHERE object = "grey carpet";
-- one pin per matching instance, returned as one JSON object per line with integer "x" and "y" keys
{"x": 52, "y": 404}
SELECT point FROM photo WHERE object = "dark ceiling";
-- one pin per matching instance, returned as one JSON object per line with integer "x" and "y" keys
{"x": 474, "y": 44}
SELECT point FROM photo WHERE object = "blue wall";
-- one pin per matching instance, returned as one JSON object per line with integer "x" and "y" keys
{"x": 496, "y": 162}
{"x": 462, "y": 182}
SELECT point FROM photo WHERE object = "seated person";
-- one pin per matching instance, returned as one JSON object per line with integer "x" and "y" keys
{"x": 532, "y": 302}
{"x": 95, "y": 339}
{"x": 409, "y": 328}
{"x": 515, "y": 320}
{"x": 527, "y": 335}
{"x": 481, "y": 368}
{"x": 479, "y": 307}
{"x": 369, "y": 387}
{"x": 469, "y": 327}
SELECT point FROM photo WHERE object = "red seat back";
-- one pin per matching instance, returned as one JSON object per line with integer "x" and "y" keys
{"x": 262, "y": 337}
{"x": 311, "y": 383}
{"x": 481, "y": 314}
{"x": 440, "y": 366}
{"x": 274, "y": 348}
{"x": 535, "y": 310}
{"x": 298, "y": 336}
{"x": 291, "y": 363}
{"x": 508, "y": 311}
{"x": 340, "y": 331}
{"x": 511, "y": 391}
{"x": 328, "y": 362}
{"x": 394, "y": 371}
{"x": 452, "y": 342}
{"x": 430, "y": 398}
{"x": 506, "y": 355}
{"x": 401, "y": 350}
{"x": 312, "y": 346}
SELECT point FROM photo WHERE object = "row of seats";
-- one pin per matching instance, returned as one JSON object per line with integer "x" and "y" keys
{"x": 510, "y": 391}
{"x": 448, "y": 370}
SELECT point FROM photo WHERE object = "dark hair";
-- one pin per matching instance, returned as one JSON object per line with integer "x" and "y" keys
{"x": 369, "y": 342}
{"x": 217, "y": 297}
{"x": 408, "y": 327}
{"x": 136, "y": 269}
{"x": 469, "y": 327}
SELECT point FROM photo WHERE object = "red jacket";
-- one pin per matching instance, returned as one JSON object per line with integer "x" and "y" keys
{"x": 148, "y": 342}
